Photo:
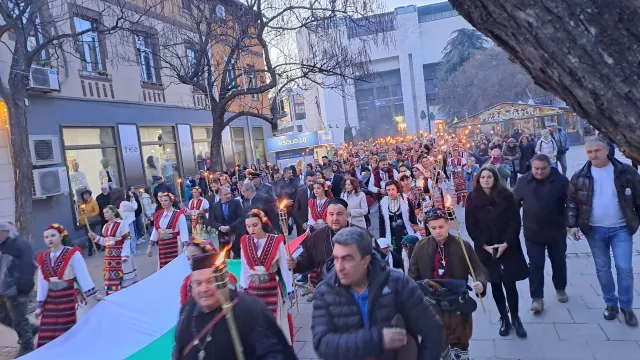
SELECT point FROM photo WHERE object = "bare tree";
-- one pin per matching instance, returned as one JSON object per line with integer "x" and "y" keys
{"x": 583, "y": 51}
{"x": 232, "y": 52}
{"x": 43, "y": 32}
{"x": 486, "y": 79}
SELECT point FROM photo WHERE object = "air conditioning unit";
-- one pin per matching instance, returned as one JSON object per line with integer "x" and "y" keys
{"x": 45, "y": 150}
{"x": 45, "y": 79}
{"x": 50, "y": 181}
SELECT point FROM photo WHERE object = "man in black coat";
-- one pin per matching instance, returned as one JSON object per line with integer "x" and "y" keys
{"x": 227, "y": 216}
{"x": 333, "y": 179}
{"x": 301, "y": 202}
{"x": 285, "y": 190}
{"x": 253, "y": 200}
{"x": 355, "y": 307}
{"x": 542, "y": 194}
{"x": 17, "y": 270}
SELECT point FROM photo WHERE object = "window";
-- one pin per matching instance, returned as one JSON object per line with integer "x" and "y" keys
{"x": 191, "y": 60}
{"x": 89, "y": 45}
{"x": 237, "y": 140}
{"x": 202, "y": 145}
{"x": 435, "y": 12}
{"x": 258, "y": 143}
{"x": 230, "y": 74}
{"x": 92, "y": 160}
{"x": 252, "y": 85}
{"x": 145, "y": 57}
{"x": 159, "y": 150}
{"x": 36, "y": 39}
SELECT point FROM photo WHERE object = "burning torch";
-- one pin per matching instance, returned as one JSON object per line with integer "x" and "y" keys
{"x": 282, "y": 216}
{"x": 86, "y": 222}
{"x": 451, "y": 215}
{"x": 220, "y": 278}
{"x": 143, "y": 212}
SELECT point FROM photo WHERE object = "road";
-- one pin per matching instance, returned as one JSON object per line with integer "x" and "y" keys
{"x": 575, "y": 330}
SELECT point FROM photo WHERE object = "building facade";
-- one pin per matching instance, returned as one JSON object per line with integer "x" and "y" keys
{"x": 403, "y": 80}
{"x": 108, "y": 112}
{"x": 293, "y": 116}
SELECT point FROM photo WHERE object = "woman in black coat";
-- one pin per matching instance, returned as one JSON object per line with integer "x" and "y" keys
{"x": 493, "y": 223}
{"x": 528, "y": 150}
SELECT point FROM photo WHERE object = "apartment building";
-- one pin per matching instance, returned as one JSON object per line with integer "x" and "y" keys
{"x": 292, "y": 117}
{"x": 403, "y": 82}
{"x": 106, "y": 111}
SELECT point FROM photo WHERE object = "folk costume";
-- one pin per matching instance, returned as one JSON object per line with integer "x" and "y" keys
{"x": 119, "y": 268}
{"x": 202, "y": 334}
{"x": 318, "y": 208}
{"x": 396, "y": 217}
{"x": 458, "y": 163}
{"x": 196, "y": 207}
{"x": 58, "y": 274}
{"x": 264, "y": 274}
{"x": 432, "y": 260}
{"x": 175, "y": 234}
{"x": 380, "y": 178}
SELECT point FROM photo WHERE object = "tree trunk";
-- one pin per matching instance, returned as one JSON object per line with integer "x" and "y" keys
{"x": 20, "y": 153}
{"x": 584, "y": 51}
{"x": 216, "y": 142}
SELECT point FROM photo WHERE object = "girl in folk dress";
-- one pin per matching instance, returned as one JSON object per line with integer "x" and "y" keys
{"x": 396, "y": 216}
{"x": 197, "y": 206}
{"x": 119, "y": 268}
{"x": 170, "y": 231}
{"x": 58, "y": 269}
{"x": 264, "y": 272}
{"x": 318, "y": 204}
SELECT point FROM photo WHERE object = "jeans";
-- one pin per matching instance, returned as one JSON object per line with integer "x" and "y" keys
{"x": 562, "y": 159}
{"x": 132, "y": 239}
{"x": 13, "y": 313}
{"x": 601, "y": 241}
{"x": 557, "y": 251}
{"x": 513, "y": 178}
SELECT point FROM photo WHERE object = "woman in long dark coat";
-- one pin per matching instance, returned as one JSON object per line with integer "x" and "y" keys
{"x": 493, "y": 222}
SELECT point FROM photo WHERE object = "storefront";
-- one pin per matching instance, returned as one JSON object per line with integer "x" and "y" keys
{"x": 300, "y": 148}
{"x": 97, "y": 143}
{"x": 530, "y": 119}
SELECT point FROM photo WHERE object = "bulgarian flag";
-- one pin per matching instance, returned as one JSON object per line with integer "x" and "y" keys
{"x": 137, "y": 323}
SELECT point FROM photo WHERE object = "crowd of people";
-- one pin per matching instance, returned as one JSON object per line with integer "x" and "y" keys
{"x": 367, "y": 289}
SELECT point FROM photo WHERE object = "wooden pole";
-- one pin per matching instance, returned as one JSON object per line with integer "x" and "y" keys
{"x": 282, "y": 215}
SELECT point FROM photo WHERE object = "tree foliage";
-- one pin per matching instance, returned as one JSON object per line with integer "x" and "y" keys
{"x": 487, "y": 79}
{"x": 460, "y": 48}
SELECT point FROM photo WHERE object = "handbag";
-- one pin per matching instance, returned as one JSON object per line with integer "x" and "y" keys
{"x": 449, "y": 296}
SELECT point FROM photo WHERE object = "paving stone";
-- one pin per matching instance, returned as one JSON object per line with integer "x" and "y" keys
{"x": 618, "y": 331}
{"x": 307, "y": 352}
{"x": 618, "y": 350}
{"x": 587, "y": 332}
{"x": 589, "y": 316}
{"x": 553, "y": 313}
{"x": 534, "y": 348}
{"x": 482, "y": 349}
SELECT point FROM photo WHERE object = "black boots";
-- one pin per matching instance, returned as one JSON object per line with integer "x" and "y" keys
{"x": 515, "y": 323}
{"x": 517, "y": 326}
{"x": 505, "y": 326}
{"x": 611, "y": 312}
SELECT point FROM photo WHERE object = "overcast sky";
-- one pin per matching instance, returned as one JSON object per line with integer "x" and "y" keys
{"x": 392, "y": 4}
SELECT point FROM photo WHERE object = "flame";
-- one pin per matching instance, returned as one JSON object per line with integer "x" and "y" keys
{"x": 221, "y": 256}
{"x": 179, "y": 180}
{"x": 282, "y": 205}
{"x": 447, "y": 201}
{"x": 420, "y": 183}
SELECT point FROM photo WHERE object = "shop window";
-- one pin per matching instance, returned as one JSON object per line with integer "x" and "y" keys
{"x": 202, "y": 145}
{"x": 92, "y": 161}
{"x": 237, "y": 139}
{"x": 159, "y": 150}
{"x": 258, "y": 143}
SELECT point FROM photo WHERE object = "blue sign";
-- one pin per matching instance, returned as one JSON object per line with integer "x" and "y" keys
{"x": 295, "y": 141}
{"x": 325, "y": 137}
{"x": 292, "y": 154}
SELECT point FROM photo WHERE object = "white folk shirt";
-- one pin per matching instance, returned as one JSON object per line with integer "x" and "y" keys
{"x": 605, "y": 208}
{"x": 246, "y": 272}
{"x": 77, "y": 269}
{"x": 183, "y": 236}
{"x": 204, "y": 206}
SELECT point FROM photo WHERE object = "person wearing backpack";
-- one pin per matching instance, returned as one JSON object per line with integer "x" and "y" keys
{"x": 562, "y": 142}
{"x": 440, "y": 260}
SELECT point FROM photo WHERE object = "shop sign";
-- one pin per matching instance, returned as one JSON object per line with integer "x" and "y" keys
{"x": 508, "y": 111}
{"x": 187, "y": 156}
{"x": 291, "y": 154}
{"x": 295, "y": 141}
{"x": 325, "y": 137}
{"x": 130, "y": 148}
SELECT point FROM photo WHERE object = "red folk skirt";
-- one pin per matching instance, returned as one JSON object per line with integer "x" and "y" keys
{"x": 112, "y": 271}
{"x": 167, "y": 250}
{"x": 267, "y": 292}
{"x": 58, "y": 314}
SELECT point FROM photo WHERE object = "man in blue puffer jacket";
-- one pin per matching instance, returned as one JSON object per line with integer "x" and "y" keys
{"x": 357, "y": 308}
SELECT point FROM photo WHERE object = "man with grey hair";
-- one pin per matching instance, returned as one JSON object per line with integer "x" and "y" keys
{"x": 372, "y": 301}
{"x": 251, "y": 199}
{"x": 604, "y": 204}
{"x": 17, "y": 270}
